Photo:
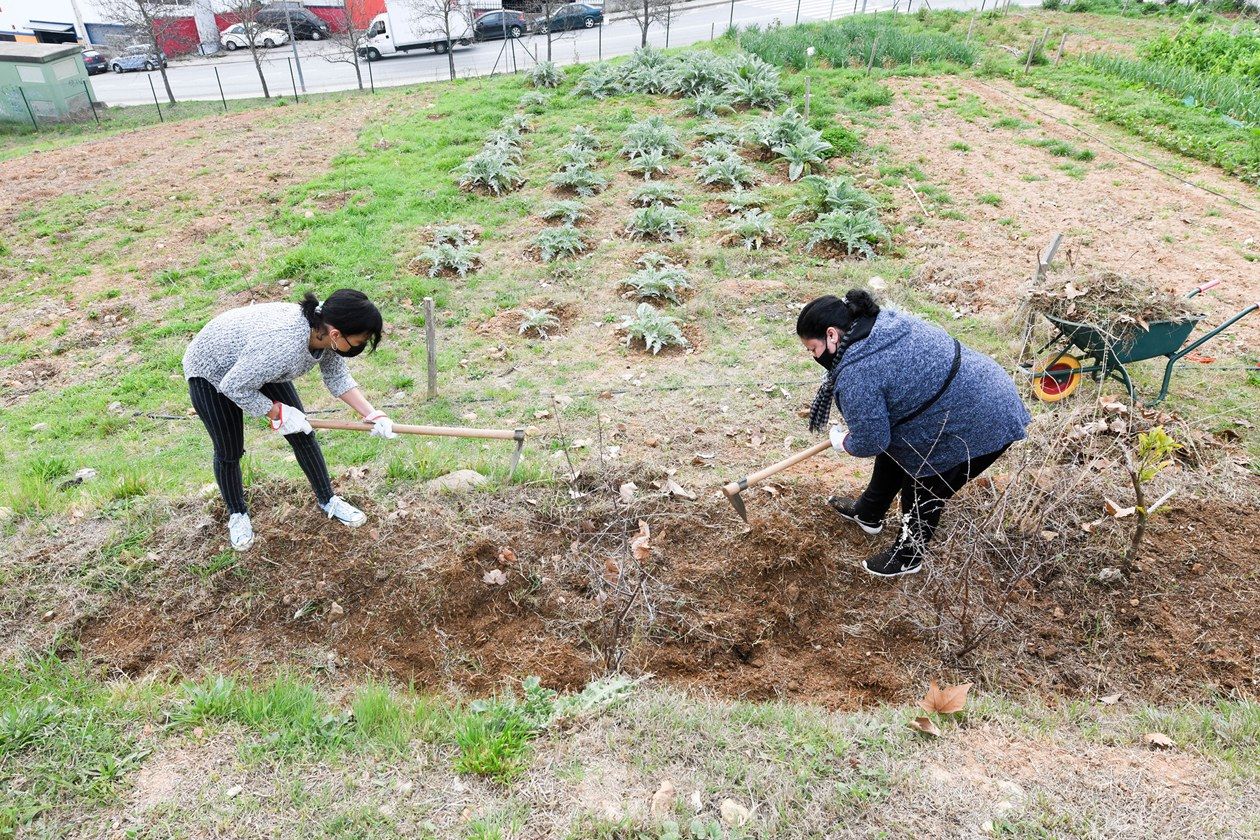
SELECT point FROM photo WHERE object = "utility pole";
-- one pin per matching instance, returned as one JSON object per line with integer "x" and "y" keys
{"x": 288, "y": 19}
{"x": 79, "y": 28}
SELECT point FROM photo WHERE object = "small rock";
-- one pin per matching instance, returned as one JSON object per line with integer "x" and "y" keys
{"x": 115, "y": 406}
{"x": 382, "y": 574}
{"x": 460, "y": 481}
{"x": 336, "y": 610}
{"x": 39, "y": 427}
{"x": 50, "y": 615}
{"x": 652, "y": 442}
{"x": 7, "y": 515}
{"x": 1109, "y": 574}
{"x": 733, "y": 814}
{"x": 1003, "y": 807}
{"x": 663, "y": 800}
{"x": 85, "y": 474}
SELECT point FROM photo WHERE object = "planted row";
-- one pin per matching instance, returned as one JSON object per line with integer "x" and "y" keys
{"x": 496, "y": 168}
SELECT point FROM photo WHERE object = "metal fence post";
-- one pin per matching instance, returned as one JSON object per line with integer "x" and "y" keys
{"x": 731, "y": 20}
{"x": 221, "y": 96}
{"x": 798, "y": 13}
{"x": 293, "y": 80}
{"x": 601, "y": 39}
{"x": 27, "y": 102}
{"x": 155, "y": 99}
{"x": 371, "y": 79}
{"x": 669, "y": 16}
{"x": 91, "y": 104}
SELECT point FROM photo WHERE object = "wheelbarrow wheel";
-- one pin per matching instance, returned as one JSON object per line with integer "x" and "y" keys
{"x": 1058, "y": 377}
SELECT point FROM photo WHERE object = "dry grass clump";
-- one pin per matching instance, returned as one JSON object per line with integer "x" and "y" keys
{"x": 1115, "y": 302}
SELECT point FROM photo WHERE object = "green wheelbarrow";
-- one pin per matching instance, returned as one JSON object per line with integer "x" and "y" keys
{"x": 1103, "y": 355}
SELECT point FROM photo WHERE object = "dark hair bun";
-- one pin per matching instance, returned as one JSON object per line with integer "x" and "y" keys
{"x": 861, "y": 304}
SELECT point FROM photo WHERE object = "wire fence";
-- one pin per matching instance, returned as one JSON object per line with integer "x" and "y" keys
{"x": 288, "y": 74}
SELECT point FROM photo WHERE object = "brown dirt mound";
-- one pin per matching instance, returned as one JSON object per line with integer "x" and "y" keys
{"x": 782, "y": 609}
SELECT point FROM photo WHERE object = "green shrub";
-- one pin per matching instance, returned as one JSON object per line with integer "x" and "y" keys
{"x": 707, "y": 104}
{"x": 546, "y": 74}
{"x": 651, "y": 134}
{"x": 1212, "y": 51}
{"x": 578, "y": 179}
{"x": 657, "y": 222}
{"x": 842, "y": 141}
{"x": 654, "y": 328}
{"x": 828, "y": 194}
{"x": 752, "y": 229}
{"x": 557, "y": 242}
{"x": 700, "y": 71}
{"x": 857, "y": 234}
{"x": 600, "y": 81}
{"x": 582, "y": 137}
{"x": 717, "y": 150}
{"x": 657, "y": 280}
{"x": 444, "y": 258}
{"x": 651, "y": 163}
{"x": 804, "y": 155}
{"x": 491, "y": 171}
{"x": 538, "y": 321}
{"x": 565, "y": 212}
{"x": 657, "y": 193}
{"x": 575, "y": 155}
{"x": 1052, "y": 5}
{"x": 731, "y": 173}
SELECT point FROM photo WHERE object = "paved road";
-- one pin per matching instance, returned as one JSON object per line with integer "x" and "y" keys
{"x": 326, "y": 68}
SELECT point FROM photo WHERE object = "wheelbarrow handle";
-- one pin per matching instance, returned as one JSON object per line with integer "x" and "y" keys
{"x": 1211, "y": 284}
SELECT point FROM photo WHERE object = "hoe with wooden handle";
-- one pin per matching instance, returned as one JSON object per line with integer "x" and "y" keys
{"x": 733, "y": 489}
{"x": 517, "y": 435}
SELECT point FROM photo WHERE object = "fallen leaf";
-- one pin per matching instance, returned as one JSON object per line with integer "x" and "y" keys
{"x": 626, "y": 491}
{"x": 702, "y": 459}
{"x": 770, "y": 489}
{"x": 1157, "y": 741}
{"x": 733, "y": 814}
{"x": 233, "y": 792}
{"x": 542, "y": 415}
{"x": 697, "y": 804}
{"x": 494, "y": 577}
{"x": 1109, "y": 700}
{"x": 640, "y": 547}
{"x": 673, "y": 488}
{"x": 581, "y": 443}
{"x": 663, "y": 800}
{"x": 612, "y": 572}
{"x": 946, "y": 700}
{"x": 1114, "y": 509}
{"x": 1071, "y": 292}
{"x": 507, "y": 555}
{"x": 925, "y": 726}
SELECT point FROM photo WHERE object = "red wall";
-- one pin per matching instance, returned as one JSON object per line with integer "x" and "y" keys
{"x": 180, "y": 34}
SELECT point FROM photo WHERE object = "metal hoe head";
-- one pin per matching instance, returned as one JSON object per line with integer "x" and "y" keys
{"x": 737, "y": 500}
{"x": 519, "y": 437}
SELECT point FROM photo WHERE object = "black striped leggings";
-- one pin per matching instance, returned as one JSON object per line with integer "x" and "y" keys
{"x": 226, "y": 424}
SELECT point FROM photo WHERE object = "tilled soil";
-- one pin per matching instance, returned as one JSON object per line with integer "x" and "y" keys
{"x": 779, "y": 610}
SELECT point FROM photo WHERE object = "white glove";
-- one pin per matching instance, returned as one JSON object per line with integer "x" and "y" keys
{"x": 291, "y": 421}
{"x": 837, "y": 437}
{"x": 382, "y": 426}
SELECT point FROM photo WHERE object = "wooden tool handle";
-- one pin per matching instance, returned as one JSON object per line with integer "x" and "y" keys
{"x": 764, "y": 473}
{"x": 440, "y": 431}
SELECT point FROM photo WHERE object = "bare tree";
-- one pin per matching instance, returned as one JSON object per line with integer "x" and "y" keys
{"x": 246, "y": 13}
{"x": 346, "y": 44}
{"x": 645, "y": 13}
{"x": 151, "y": 23}
{"x": 449, "y": 17}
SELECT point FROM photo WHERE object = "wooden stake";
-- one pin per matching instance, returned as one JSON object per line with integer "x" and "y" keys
{"x": 1059, "y": 55}
{"x": 871, "y": 62}
{"x": 430, "y": 347}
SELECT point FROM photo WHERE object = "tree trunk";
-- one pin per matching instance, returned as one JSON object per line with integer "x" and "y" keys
{"x": 170, "y": 95}
{"x": 261, "y": 77}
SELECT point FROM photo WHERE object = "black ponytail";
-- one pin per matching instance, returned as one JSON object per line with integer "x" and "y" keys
{"x": 831, "y": 311}
{"x": 346, "y": 310}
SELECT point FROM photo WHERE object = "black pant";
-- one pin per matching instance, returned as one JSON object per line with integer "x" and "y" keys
{"x": 922, "y": 499}
{"x": 226, "y": 424}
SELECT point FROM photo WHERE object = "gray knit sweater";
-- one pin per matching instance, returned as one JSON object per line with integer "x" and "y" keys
{"x": 243, "y": 349}
{"x": 899, "y": 366}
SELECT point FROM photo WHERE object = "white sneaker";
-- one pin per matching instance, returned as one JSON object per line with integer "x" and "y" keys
{"x": 344, "y": 512}
{"x": 240, "y": 531}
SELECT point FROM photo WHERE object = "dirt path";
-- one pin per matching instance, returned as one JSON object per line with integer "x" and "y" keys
{"x": 1115, "y": 214}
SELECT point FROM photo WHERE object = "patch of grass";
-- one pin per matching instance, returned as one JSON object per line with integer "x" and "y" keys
{"x": 959, "y": 146}
{"x": 1060, "y": 148}
{"x": 991, "y": 199}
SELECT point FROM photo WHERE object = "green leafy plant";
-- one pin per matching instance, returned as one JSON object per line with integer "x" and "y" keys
{"x": 855, "y": 233}
{"x": 648, "y": 71}
{"x": 656, "y": 193}
{"x": 738, "y": 202}
{"x": 454, "y": 235}
{"x": 649, "y": 164}
{"x": 775, "y": 130}
{"x": 505, "y": 143}
{"x": 582, "y": 137}
{"x": 654, "y": 328}
{"x": 804, "y": 155}
{"x": 578, "y": 179}
{"x": 731, "y": 173}
{"x": 546, "y": 74}
{"x": 1152, "y": 456}
{"x": 752, "y": 229}
{"x": 600, "y": 81}
{"x": 651, "y": 134}
{"x": 827, "y": 194}
{"x": 657, "y": 280}
{"x": 490, "y": 171}
{"x": 575, "y": 155}
{"x": 719, "y": 132}
{"x": 717, "y": 150}
{"x": 445, "y": 258}
{"x": 566, "y": 212}
{"x": 657, "y": 222}
{"x": 516, "y": 124}
{"x": 700, "y": 71}
{"x": 533, "y": 102}
{"x": 557, "y": 242}
{"x": 538, "y": 321}
{"x": 707, "y": 104}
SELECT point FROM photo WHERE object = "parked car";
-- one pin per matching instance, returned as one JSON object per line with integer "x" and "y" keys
{"x": 137, "y": 57}
{"x": 572, "y": 16}
{"x": 306, "y": 24}
{"x": 95, "y": 62}
{"x": 502, "y": 24}
{"x": 240, "y": 34}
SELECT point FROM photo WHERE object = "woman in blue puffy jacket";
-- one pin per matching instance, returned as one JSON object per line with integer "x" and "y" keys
{"x": 932, "y": 413}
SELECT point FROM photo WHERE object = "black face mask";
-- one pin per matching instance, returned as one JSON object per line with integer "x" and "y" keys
{"x": 827, "y": 359}
{"x": 351, "y": 352}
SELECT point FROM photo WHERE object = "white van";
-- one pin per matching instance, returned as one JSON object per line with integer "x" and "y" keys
{"x": 409, "y": 25}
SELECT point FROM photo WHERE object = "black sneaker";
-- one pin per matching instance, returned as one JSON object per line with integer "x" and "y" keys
{"x": 847, "y": 508}
{"x": 892, "y": 563}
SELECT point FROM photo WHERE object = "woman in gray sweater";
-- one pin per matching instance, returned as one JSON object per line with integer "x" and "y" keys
{"x": 932, "y": 413}
{"x": 244, "y": 362}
